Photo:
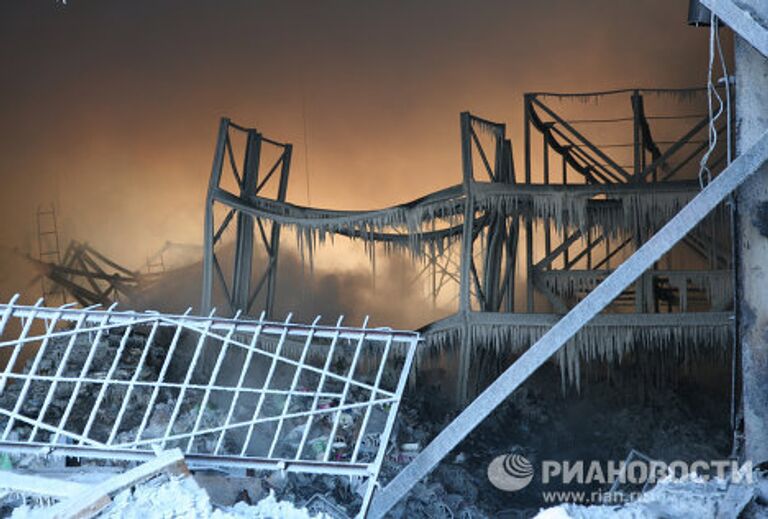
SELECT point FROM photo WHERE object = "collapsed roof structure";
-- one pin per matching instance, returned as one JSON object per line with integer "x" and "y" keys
{"x": 588, "y": 211}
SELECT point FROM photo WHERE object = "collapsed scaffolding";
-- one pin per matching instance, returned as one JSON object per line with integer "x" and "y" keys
{"x": 88, "y": 277}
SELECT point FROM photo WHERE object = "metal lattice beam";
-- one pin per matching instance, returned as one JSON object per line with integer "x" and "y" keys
{"x": 238, "y": 289}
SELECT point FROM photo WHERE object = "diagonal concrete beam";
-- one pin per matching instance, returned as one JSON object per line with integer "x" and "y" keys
{"x": 681, "y": 224}
{"x": 749, "y": 20}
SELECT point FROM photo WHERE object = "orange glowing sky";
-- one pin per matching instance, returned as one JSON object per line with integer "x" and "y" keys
{"x": 110, "y": 109}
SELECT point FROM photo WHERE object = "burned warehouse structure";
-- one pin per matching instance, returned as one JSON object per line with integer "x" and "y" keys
{"x": 595, "y": 291}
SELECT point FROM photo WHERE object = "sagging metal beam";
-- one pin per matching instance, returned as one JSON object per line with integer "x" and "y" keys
{"x": 681, "y": 224}
{"x": 605, "y": 320}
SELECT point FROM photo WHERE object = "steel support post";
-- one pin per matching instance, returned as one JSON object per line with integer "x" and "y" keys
{"x": 208, "y": 224}
{"x": 748, "y": 18}
{"x": 465, "y": 303}
{"x": 274, "y": 242}
{"x": 638, "y": 170}
{"x": 528, "y": 221}
{"x": 752, "y": 252}
{"x": 241, "y": 276}
{"x": 547, "y": 223}
{"x": 513, "y": 234}
{"x": 496, "y": 238}
{"x": 469, "y": 212}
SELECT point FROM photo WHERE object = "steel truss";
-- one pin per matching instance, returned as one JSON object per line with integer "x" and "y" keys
{"x": 468, "y": 234}
{"x": 251, "y": 181}
{"x": 590, "y": 215}
{"x": 580, "y": 254}
{"x": 89, "y": 277}
{"x": 227, "y": 392}
{"x": 751, "y": 160}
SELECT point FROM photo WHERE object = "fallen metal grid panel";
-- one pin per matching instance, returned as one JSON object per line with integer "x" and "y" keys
{"x": 227, "y": 392}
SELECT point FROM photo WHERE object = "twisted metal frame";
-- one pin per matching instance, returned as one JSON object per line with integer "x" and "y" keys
{"x": 226, "y": 391}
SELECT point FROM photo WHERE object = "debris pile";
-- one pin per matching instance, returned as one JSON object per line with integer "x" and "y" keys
{"x": 117, "y": 356}
{"x": 183, "y": 497}
{"x": 54, "y": 361}
{"x": 533, "y": 423}
{"x": 669, "y": 423}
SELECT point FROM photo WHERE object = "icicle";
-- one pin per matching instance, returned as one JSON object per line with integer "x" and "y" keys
{"x": 609, "y": 344}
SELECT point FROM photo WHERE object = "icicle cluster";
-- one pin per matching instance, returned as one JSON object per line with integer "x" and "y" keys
{"x": 582, "y": 210}
{"x": 406, "y": 226}
{"x": 606, "y": 343}
{"x": 717, "y": 283}
{"x": 566, "y": 283}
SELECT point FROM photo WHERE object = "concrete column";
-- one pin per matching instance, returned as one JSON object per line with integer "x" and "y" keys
{"x": 752, "y": 249}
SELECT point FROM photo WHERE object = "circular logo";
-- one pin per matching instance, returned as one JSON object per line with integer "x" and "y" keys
{"x": 510, "y": 472}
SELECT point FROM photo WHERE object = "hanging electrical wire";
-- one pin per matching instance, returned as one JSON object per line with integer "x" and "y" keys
{"x": 705, "y": 173}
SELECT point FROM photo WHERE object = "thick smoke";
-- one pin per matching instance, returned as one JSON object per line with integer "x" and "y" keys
{"x": 118, "y": 129}
{"x": 391, "y": 299}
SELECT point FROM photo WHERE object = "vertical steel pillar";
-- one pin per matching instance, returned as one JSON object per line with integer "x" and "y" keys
{"x": 469, "y": 213}
{"x": 752, "y": 246}
{"x": 547, "y": 225}
{"x": 565, "y": 233}
{"x": 465, "y": 303}
{"x": 512, "y": 235}
{"x": 493, "y": 273}
{"x": 208, "y": 230}
{"x": 637, "y": 135}
{"x": 528, "y": 220}
{"x": 637, "y": 140}
{"x": 274, "y": 245}
{"x": 241, "y": 276}
{"x": 239, "y": 294}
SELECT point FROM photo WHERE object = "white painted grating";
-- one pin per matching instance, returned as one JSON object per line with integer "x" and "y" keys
{"x": 227, "y": 392}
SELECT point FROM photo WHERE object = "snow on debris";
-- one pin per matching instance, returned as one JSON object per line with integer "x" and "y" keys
{"x": 173, "y": 497}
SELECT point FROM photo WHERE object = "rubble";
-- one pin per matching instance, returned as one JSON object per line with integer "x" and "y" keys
{"x": 530, "y": 423}
{"x": 100, "y": 364}
{"x": 73, "y": 366}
